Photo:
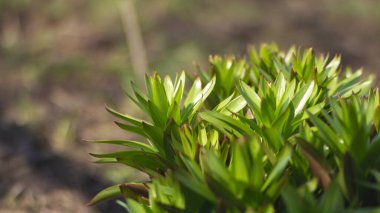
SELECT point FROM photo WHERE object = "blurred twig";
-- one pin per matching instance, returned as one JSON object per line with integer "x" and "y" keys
{"x": 134, "y": 39}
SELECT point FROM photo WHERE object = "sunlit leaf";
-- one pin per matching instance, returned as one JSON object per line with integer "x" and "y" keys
{"x": 107, "y": 193}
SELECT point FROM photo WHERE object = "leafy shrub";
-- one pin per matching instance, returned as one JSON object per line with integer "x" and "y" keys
{"x": 284, "y": 132}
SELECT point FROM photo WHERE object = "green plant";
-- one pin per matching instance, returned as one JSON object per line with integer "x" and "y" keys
{"x": 283, "y": 132}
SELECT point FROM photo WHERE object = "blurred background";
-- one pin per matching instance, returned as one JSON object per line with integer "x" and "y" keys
{"x": 61, "y": 61}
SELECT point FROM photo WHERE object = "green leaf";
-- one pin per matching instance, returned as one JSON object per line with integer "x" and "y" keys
{"x": 128, "y": 143}
{"x": 220, "y": 125}
{"x": 280, "y": 85}
{"x": 158, "y": 96}
{"x": 196, "y": 185}
{"x": 315, "y": 109}
{"x": 363, "y": 210}
{"x": 144, "y": 161}
{"x": 107, "y": 193}
{"x": 159, "y": 117}
{"x": 217, "y": 175}
{"x": 267, "y": 111}
{"x": 280, "y": 123}
{"x": 376, "y": 118}
{"x": 317, "y": 162}
{"x": 257, "y": 171}
{"x": 240, "y": 162}
{"x": 225, "y": 122}
{"x": 294, "y": 202}
{"x": 169, "y": 89}
{"x": 280, "y": 166}
{"x": 175, "y": 112}
{"x": 129, "y": 119}
{"x": 344, "y": 86}
{"x": 253, "y": 100}
{"x": 349, "y": 175}
{"x": 224, "y": 103}
{"x": 178, "y": 93}
{"x": 372, "y": 156}
{"x": 136, "y": 191}
{"x": 154, "y": 134}
{"x": 193, "y": 93}
{"x": 106, "y": 160}
{"x": 129, "y": 128}
{"x": 229, "y": 106}
{"x": 304, "y": 95}
{"x": 235, "y": 105}
{"x": 141, "y": 100}
{"x": 136, "y": 207}
{"x": 191, "y": 109}
{"x": 332, "y": 200}
{"x": 328, "y": 135}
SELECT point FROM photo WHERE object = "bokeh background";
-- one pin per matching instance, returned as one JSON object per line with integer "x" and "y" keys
{"x": 61, "y": 61}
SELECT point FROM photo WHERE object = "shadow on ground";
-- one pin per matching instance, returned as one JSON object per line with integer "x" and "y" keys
{"x": 31, "y": 170}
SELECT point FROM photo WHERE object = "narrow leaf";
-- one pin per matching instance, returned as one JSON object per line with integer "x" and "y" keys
{"x": 107, "y": 193}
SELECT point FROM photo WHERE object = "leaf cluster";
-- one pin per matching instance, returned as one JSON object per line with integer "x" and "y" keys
{"x": 277, "y": 131}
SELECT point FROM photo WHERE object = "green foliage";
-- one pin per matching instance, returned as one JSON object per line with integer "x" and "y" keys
{"x": 281, "y": 132}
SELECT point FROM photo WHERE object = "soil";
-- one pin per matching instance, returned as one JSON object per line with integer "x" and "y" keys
{"x": 34, "y": 178}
